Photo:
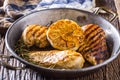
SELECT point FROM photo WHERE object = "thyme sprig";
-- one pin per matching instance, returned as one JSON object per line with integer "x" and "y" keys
{"x": 21, "y": 49}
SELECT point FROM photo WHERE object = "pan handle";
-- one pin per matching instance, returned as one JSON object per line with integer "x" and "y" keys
{"x": 8, "y": 66}
{"x": 98, "y": 9}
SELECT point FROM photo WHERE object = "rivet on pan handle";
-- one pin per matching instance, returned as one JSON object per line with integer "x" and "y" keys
{"x": 98, "y": 9}
{"x": 8, "y": 66}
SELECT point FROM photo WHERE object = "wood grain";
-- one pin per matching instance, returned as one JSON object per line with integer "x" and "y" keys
{"x": 108, "y": 72}
{"x": 117, "y": 4}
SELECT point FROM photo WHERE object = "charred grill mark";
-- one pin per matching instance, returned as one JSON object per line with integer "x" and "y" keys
{"x": 29, "y": 33}
{"x": 93, "y": 34}
{"x": 94, "y": 41}
{"x": 87, "y": 27}
{"x": 81, "y": 45}
{"x": 84, "y": 48}
{"x": 42, "y": 36}
{"x": 99, "y": 52}
{"x": 41, "y": 31}
{"x": 30, "y": 29}
{"x": 90, "y": 30}
{"x": 35, "y": 35}
{"x": 97, "y": 47}
{"x": 101, "y": 56}
{"x": 36, "y": 29}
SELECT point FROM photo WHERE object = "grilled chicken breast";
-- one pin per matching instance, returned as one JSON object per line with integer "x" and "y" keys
{"x": 35, "y": 35}
{"x": 96, "y": 44}
{"x": 67, "y": 59}
{"x": 65, "y": 34}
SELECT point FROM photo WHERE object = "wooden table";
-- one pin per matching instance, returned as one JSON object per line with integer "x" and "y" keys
{"x": 108, "y": 72}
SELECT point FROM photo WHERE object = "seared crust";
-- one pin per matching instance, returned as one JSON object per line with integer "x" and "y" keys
{"x": 65, "y": 34}
{"x": 90, "y": 41}
{"x": 35, "y": 35}
{"x": 96, "y": 40}
{"x": 67, "y": 59}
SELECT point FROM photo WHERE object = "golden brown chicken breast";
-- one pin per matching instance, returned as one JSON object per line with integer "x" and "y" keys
{"x": 65, "y": 34}
{"x": 35, "y": 35}
{"x": 67, "y": 59}
{"x": 95, "y": 38}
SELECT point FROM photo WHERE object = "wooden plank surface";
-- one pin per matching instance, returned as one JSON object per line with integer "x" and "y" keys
{"x": 117, "y": 4}
{"x": 108, "y": 72}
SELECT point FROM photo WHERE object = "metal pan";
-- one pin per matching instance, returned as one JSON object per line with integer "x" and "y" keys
{"x": 44, "y": 17}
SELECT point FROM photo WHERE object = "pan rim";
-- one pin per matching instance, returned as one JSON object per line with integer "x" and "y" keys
{"x": 58, "y": 70}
